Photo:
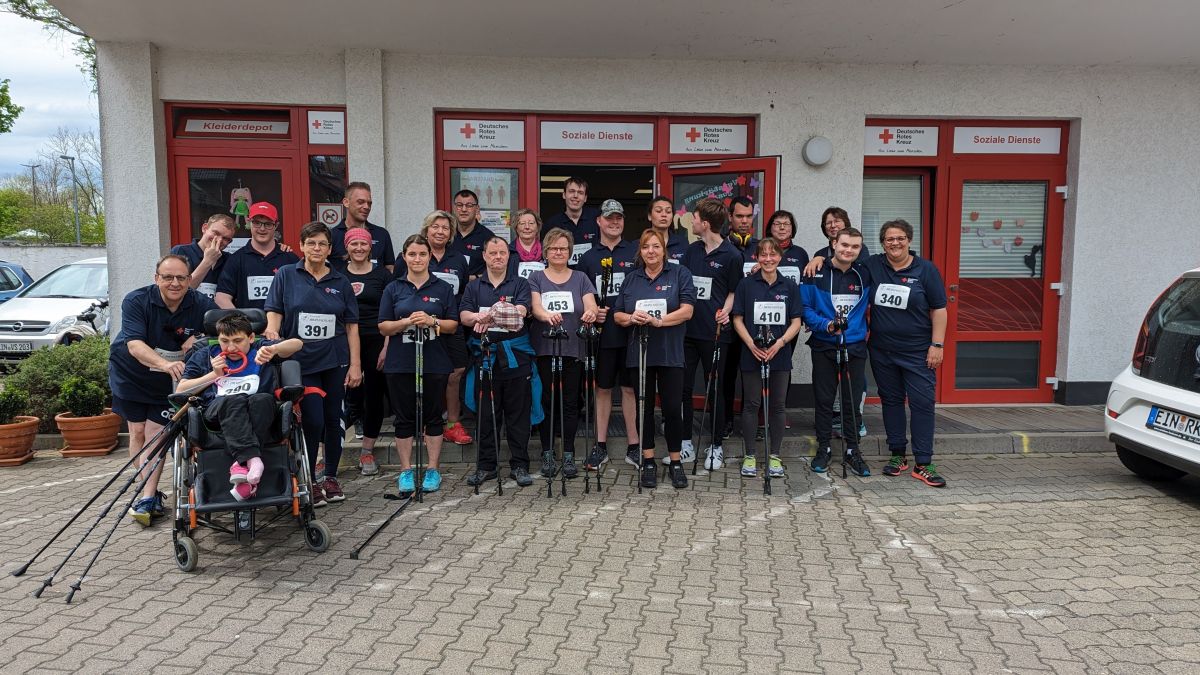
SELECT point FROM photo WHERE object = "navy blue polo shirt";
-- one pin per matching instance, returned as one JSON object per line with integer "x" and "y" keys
{"x": 586, "y": 232}
{"x": 524, "y": 269}
{"x": 623, "y": 256}
{"x": 672, "y": 285}
{"x": 481, "y": 294}
{"x": 901, "y": 301}
{"x": 400, "y": 299}
{"x": 831, "y": 291}
{"x": 471, "y": 246}
{"x": 773, "y": 305}
{"x": 194, "y": 255}
{"x": 791, "y": 263}
{"x": 381, "y": 244}
{"x": 677, "y": 244}
{"x": 145, "y": 317}
{"x": 252, "y": 379}
{"x": 715, "y": 275}
{"x": 827, "y": 253}
{"x": 452, "y": 269}
{"x": 316, "y": 312}
{"x": 248, "y": 275}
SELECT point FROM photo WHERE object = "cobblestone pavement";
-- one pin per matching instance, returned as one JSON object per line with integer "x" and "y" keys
{"x": 1062, "y": 563}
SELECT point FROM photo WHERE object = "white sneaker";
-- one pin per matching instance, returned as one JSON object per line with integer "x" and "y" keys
{"x": 715, "y": 458}
{"x": 687, "y": 454}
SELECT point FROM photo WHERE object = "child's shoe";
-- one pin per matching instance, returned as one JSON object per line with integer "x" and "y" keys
{"x": 243, "y": 491}
{"x": 238, "y": 473}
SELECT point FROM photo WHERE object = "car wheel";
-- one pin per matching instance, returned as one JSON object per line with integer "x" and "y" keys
{"x": 1148, "y": 468}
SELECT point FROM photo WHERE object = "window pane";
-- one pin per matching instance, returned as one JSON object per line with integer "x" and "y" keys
{"x": 890, "y": 198}
{"x": 687, "y": 190}
{"x": 996, "y": 365}
{"x": 497, "y": 191}
{"x": 232, "y": 191}
{"x": 326, "y": 181}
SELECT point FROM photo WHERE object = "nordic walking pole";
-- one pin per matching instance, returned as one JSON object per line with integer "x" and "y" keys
{"x": 484, "y": 343}
{"x": 479, "y": 405}
{"x": 712, "y": 383}
{"x": 843, "y": 356}
{"x": 419, "y": 435}
{"x": 585, "y": 332}
{"x": 562, "y": 418}
{"x": 641, "y": 402}
{"x": 765, "y": 340}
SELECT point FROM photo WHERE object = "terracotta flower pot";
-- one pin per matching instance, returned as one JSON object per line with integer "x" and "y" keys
{"x": 16, "y": 440}
{"x": 88, "y": 436}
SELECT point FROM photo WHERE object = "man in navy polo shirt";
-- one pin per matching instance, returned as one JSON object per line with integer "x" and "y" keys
{"x": 248, "y": 274}
{"x": 581, "y": 221}
{"x": 741, "y": 235}
{"x": 471, "y": 236}
{"x": 206, "y": 255}
{"x": 357, "y": 204}
{"x": 716, "y": 268}
{"x": 607, "y": 266}
{"x": 497, "y": 303}
{"x": 159, "y": 323}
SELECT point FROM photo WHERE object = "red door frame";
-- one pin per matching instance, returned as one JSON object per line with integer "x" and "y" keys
{"x": 232, "y": 152}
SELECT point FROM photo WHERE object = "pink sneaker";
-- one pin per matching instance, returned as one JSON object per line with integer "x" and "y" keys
{"x": 243, "y": 491}
{"x": 237, "y": 473}
{"x": 255, "y": 472}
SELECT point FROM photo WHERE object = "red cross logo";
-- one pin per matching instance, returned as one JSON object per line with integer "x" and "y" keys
{"x": 692, "y": 135}
{"x": 467, "y": 130}
{"x": 886, "y": 136}
{"x": 316, "y": 124}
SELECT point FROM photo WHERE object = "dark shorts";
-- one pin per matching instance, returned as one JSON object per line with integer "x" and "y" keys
{"x": 456, "y": 346}
{"x": 610, "y": 368}
{"x": 136, "y": 411}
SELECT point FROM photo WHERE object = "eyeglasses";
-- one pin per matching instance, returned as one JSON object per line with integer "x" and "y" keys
{"x": 260, "y": 225}
{"x": 895, "y": 240}
{"x": 465, "y": 205}
{"x": 315, "y": 243}
{"x": 174, "y": 278}
{"x": 558, "y": 249}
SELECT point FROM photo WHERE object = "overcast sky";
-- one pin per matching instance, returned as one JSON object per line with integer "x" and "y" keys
{"x": 46, "y": 80}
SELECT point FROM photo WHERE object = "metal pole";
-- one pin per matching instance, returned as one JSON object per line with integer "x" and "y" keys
{"x": 75, "y": 196}
{"x": 32, "y": 180}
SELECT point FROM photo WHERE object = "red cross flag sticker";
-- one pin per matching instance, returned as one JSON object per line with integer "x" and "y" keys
{"x": 316, "y": 124}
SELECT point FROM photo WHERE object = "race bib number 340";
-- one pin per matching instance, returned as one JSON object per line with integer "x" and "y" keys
{"x": 894, "y": 296}
{"x": 316, "y": 326}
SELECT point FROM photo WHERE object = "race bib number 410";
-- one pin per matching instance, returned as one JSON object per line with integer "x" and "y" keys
{"x": 894, "y": 296}
{"x": 770, "y": 313}
{"x": 316, "y": 326}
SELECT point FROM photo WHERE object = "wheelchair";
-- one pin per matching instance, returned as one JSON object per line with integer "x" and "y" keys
{"x": 202, "y": 467}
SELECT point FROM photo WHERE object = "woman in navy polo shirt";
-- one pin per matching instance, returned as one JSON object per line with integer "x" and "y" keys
{"x": 766, "y": 301}
{"x": 418, "y": 299}
{"x": 781, "y": 227}
{"x": 314, "y": 302}
{"x": 657, "y": 298}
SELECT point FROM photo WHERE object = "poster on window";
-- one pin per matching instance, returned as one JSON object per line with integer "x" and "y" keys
{"x": 496, "y": 188}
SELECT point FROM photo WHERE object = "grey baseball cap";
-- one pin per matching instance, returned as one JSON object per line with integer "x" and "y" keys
{"x": 611, "y": 206}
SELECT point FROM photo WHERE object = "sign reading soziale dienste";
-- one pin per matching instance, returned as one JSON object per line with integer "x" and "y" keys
{"x": 588, "y": 135}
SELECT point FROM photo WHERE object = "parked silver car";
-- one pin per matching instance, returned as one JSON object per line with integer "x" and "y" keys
{"x": 42, "y": 314}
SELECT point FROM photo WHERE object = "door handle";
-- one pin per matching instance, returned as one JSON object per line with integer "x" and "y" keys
{"x": 953, "y": 289}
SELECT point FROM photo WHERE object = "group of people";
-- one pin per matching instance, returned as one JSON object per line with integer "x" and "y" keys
{"x": 542, "y": 326}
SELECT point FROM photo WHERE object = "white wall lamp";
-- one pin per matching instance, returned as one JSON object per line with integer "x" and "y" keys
{"x": 817, "y": 151}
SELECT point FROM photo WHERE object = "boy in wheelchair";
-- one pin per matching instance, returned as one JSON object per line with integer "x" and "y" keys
{"x": 240, "y": 402}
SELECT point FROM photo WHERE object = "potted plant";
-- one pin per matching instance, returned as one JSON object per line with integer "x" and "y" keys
{"x": 17, "y": 431}
{"x": 88, "y": 428}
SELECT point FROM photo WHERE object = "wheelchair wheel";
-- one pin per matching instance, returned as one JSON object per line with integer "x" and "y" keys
{"x": 317, "y": 536}
{"x": 186, "y": 554}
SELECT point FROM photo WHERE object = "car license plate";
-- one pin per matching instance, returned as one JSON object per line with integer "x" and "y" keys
{"x": 16, "y": 347}
{"x": 1174, "y": 424}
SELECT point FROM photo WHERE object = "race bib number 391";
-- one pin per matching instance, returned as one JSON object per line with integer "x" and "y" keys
{"x": 894, "y": 296}
{"x": 316, "y": 326}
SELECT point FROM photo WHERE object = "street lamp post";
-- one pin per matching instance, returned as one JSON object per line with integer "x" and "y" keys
{"x": 75, "y": 196}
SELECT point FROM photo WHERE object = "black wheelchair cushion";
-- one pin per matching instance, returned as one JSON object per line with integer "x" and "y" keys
{"x": 213, "y": 487}
{"x": 199, "y": 435}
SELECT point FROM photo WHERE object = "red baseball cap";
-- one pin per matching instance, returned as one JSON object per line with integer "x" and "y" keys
{"x": 264, "y": 209}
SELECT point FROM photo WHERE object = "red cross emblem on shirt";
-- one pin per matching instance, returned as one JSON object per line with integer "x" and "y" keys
{"x": 467, "y": 130}
{"x": 692, "y": 135}
{"x": 886, "y": 136}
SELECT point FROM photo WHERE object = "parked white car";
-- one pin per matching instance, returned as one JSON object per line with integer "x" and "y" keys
{"x": 1153, "y": 412}
{"x": 43, "y": 314}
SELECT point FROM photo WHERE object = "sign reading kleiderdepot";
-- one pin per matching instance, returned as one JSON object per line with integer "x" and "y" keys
{"x": 907, "y": 141}
{"x": 235, "y": 127}
{"x": 1007, "y": 140}
{"x": 486, "y": 135}
{"x": 597, "y": 136}
{"x": 708, "y": 139}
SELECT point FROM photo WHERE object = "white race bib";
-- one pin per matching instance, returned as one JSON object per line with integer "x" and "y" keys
{"x": 228, "y": 386}
{"x": 792, "y": 273}
{"x": 312, "y": 327}
{"x": 892, "y": 295}
{"x": 617, "y": 280}
{"x": 577, "y": 252}
{"x": 746, "y": 267}
{"x": 258, "y": 287}
{"x": 770, "y": 313}
{"x": 703, "y": 287}
{"x": 524, "y": 269}
{"x": 168, "y": 355}
{"x": 207, "y": 289}
{"x": 408, "y": 336}
{"x": 655, "y": 307}
{"x": 844, "y": 302}
{"x": 450, "y": 278}
{"x": 558, "y": 301}
{"x": 673, "y": 261}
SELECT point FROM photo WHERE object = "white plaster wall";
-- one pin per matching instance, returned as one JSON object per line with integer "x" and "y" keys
{"x": 365, "y": 131}
{"x": 313, "y": 78}
{"x": 41, "y": 260}
{"x": 1134, "y": 159}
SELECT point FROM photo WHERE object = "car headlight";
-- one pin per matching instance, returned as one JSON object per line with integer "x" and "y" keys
{"x": 63, "y": 324}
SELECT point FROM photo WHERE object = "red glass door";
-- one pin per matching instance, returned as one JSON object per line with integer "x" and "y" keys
{"x": 754, "y": 177}
{"x": 1003, "y": 253}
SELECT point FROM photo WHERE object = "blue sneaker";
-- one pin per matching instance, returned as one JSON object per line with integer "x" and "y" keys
{"x": 142, "y": 511}
{"x": 432, "y": 481}
{"x": 405, "y": 483}
{"x": 158, "y": 509}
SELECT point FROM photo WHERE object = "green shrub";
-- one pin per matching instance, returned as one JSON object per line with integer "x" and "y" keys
{"x": 13, "y": 402}
{"x": 43, "y": 374}
{"x": 83, "y": 398}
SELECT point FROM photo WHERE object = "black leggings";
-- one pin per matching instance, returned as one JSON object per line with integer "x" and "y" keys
{"x": 367, "y": 403}
{"x": 752, "y": 401}
{"x": 700, "y": 353}
{"x": 668, "y": 384}
{"x": 245, "y": 421}
{"x": 322, "y": 417}
{"x": 402, "y": 390}
{"x": 567, "y": 425}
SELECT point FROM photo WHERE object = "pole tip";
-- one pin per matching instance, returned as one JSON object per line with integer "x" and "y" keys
{"x": 20, "y": 571}
{"x": 354, "y": 555}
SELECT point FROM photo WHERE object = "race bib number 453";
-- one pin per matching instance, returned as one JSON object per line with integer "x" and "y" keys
{"x": 316, "y": 326}
{"x": 894, "y": 296}
{"x": 561, "y": 302}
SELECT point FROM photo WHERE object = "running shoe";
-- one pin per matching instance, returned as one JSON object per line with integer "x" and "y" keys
{"x": 367, "y": 464}
{"x": 568, "y": 466}
{"x": 479, "y": 477}
{"x": 897, "y": 465}
{"x": 749, "y": 466}
{"x": 457, "y": 433}
{"x": 521, "y": 475}
{"x": 634, "y": 456}
{"x": 820, "y": 462}
{"x": 333, "y": 490}
{"x": 237, "y": 473}
{"x": 650, "y": 475}
{"x": 432, "y": 481}
{"x": 549, "y": 466}
{"x": 405, "y": 483}
{"x": 862, "y": 430}
{"x": 141, "y": 511}
{"x": 158, "y": 508}
{"x": 358, "y": 431}
{"x": 687, "y": 453}
{"x": 775, "y": 467}
{"x": 596, "y": 459}
{"x": 858, "y": 466}
{"x": 927, "y": 474}
{"x": 254, "y": 470}
{"x": 678, "y": 476}
{"x": 318, "y": 495}
{"x": 242, "y": 491}
{"x": 319, "y": 469}
{"x": 715, "y": 458}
